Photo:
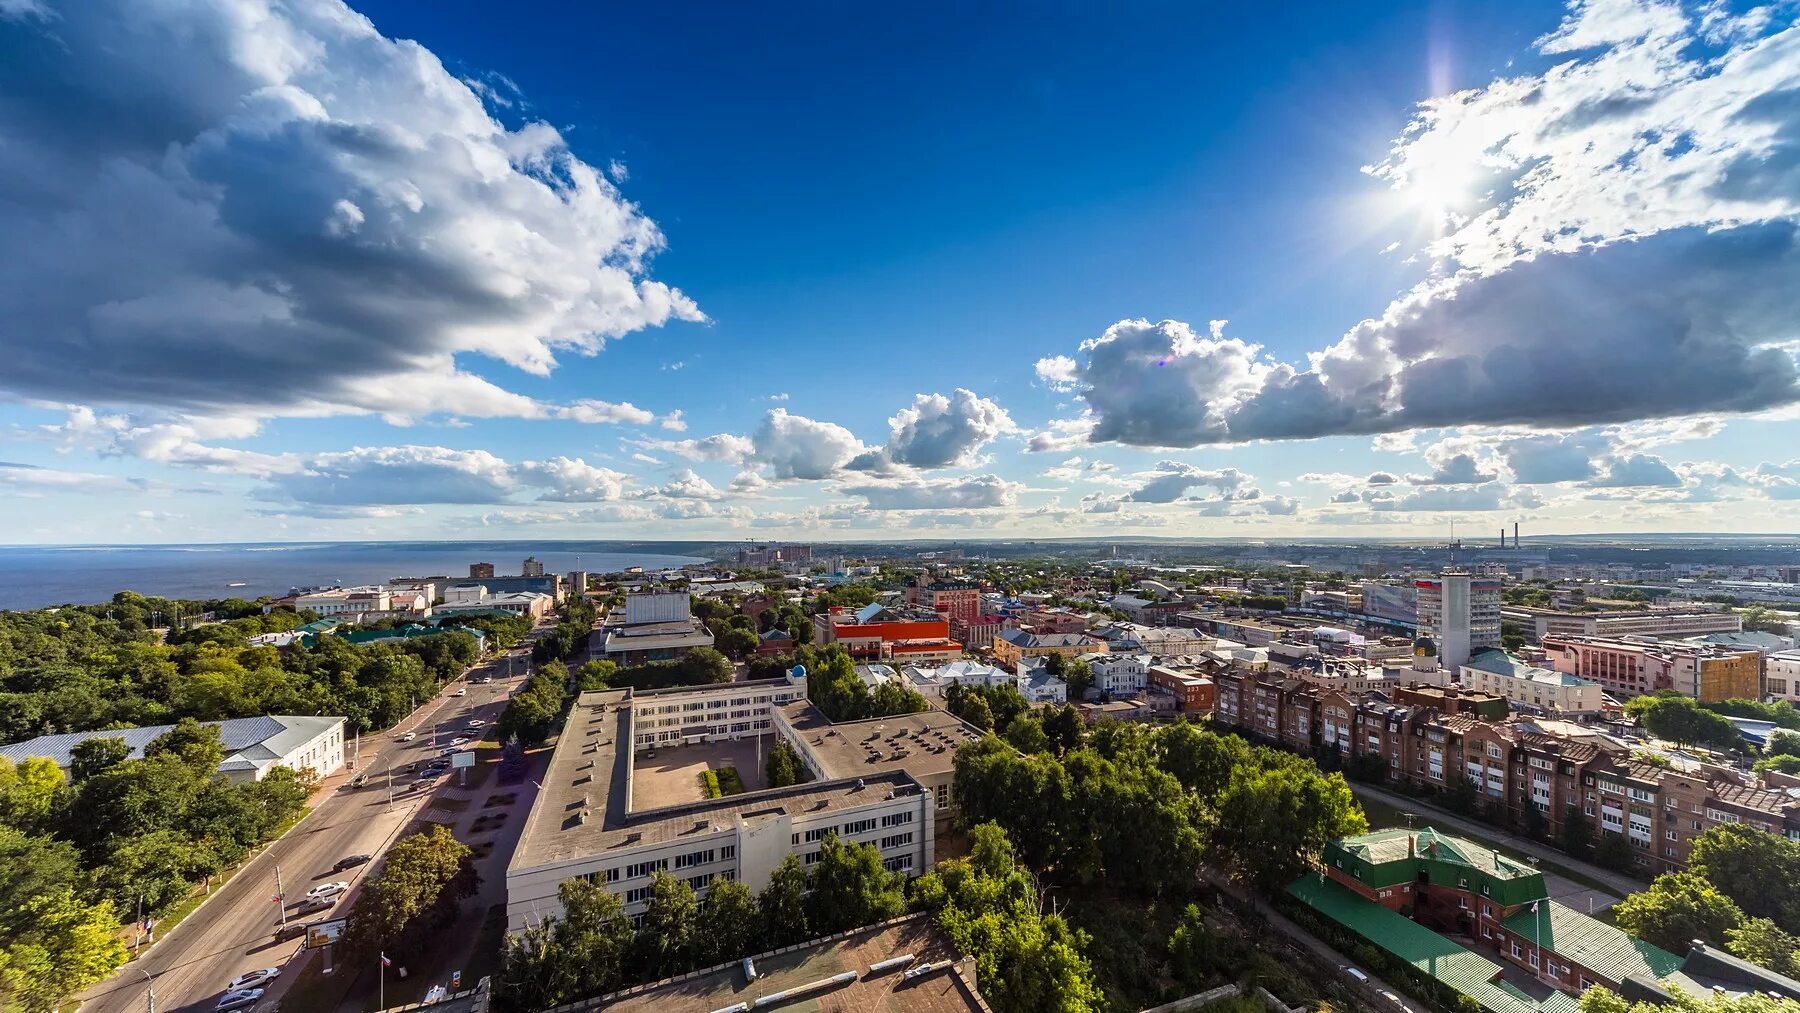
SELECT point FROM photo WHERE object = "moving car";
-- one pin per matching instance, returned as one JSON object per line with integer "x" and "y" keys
{"x": 253, "y": 979}
{"x": 460, "y": 740}
{"x": 476, "y": 722}
{"x": 292, "y": 930}
{"x": 316, "y": 905}
{"x": 435, "y": 995}
{"x": 239, "y": 1000}
{"x": 409, "y": 736}
{"x": 324, "y": 890}
{"x": 460, "y": 691}
{"x": 351, "y": 862}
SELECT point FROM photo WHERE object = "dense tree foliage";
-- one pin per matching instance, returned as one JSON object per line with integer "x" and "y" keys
{"x": 783, "y": 767}
{"x": 1135, "y": 802}
{"x": 989, "y": 708}
{"x": 990, "y": 906}
{"x": 121, "y": 835}
{"x": 592, "y": 948}
{"x": 91, "y": 667}
{"x": 834, "y": 687}
{"x": 1741, "y": 891}
{"x": 413, "y": 895}
{"x": 700, "y": 667}
{"x": 535, "y": 711}
{"x": 1678, "y": 908}
{"x": 571, "y": 632}
{"x": 1679, "y": 719}
{"x": 1602, "y": 1000}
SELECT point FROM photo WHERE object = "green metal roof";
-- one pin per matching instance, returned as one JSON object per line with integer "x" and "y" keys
{"x": 1594, "y": 944}
{"x": 1391, "y": 857}
{"x": 1460, "y": 968}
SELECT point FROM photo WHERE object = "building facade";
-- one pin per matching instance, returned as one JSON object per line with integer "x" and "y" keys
{"x": 1462, "y": 611}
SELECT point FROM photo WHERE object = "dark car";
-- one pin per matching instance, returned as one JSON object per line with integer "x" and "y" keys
{"x": 351, "y": 862}
{"x": 292, "y": 930}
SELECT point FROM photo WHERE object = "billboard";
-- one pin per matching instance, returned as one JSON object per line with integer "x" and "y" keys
{"x": 325, "y": 933}
{"x": 1385, "y": 601}
{"x": 462, "y": 759}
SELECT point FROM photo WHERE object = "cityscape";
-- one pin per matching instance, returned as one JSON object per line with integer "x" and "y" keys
{"x": 992, "y": 508}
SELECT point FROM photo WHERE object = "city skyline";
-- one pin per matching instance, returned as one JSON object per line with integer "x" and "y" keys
{"x": 277, "y": 272}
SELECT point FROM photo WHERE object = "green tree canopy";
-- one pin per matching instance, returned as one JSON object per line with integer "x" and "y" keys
{"x": 414, "y": 893}
{"x": 851, "y": 887}
{"x": 1679, "y": 907}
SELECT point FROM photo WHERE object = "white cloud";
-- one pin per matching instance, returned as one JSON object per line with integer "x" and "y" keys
{"x": 1171, "y": 479}
{"x": 607, "y": 413}
{"x": 972, "y": 492}
{"x": 234, "y": 204}
{"x": 1058, "y": 371}
{"x": 1637, "y": 470}
{"x": 1635, "y": 257}
{"x": 17, "y": 479}
{"x": 796, "y": 447}
{"x": 718, "y": 447}
{"x": 572, "y": 480}
{"x": 688, "y": 485}
{"x": 941, "y": 432}
{"x": 377, "y": 476}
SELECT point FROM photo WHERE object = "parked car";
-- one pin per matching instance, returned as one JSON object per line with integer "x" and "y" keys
{"x": 292, "y": 930}
{"x": 476, "y": 722}
{"x": 435, "y": 995}
{"x": 1358, "y": 976}
{"x": 326, "y": 890}
{"x": 409, "y": 736}
{"x": 351, "y": 862}
{"x": 253, "y": 979}
{"x": 460, "y": 740}
{"x": 316, "y": 905}
{"x": 239, "y": 1000}
{"x": 460, "y": 691}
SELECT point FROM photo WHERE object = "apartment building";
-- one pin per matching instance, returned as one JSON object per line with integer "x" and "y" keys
{"x": 1119, "y": 675}
{"x": 1781, "y": 676}
{"x": 1463, "y": 611}
{"x": 1630, "y": 666}
{"x": 346, "y": 602}
{"x": 952, "y": 599}
{"x": 1514, "y": 765}
{"x": 1544, "y": 690}
{"x": 1183, "y": 682}
{"x": 978, "y": 633}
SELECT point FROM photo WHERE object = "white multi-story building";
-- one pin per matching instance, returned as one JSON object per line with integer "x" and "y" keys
{"x": 1542, "y": 689}
{"x": 346, "y": 601}
{"x": 1781, "y": 676}
{"x": 1463, "y": 613}
{"x": 935, "y": 681}
{"x": 253, "y": 746}
{"x": 1121, "y": 675}
{"x": 885, "y": 782}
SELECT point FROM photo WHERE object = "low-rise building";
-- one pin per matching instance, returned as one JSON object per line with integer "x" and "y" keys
{"x": 934, "y": 681}
{"x": 654, "y": 626}
{"x": 1183, "y": 680}
{"x": 1119, "y": 675}
{"x": 1012, "y": 647}
{"x": 253, "y": 746}
{"x": 879, "y": 632}
{"x": 977, "y": 634}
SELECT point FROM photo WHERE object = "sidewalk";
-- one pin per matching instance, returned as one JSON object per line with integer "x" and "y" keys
{"x": 1624, "y": 885}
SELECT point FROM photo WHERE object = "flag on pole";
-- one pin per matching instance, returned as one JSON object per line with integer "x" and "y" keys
{"x": 385, "y": 962}
{"x": 1534, "y": 905}
{"x": 275, "y": 898}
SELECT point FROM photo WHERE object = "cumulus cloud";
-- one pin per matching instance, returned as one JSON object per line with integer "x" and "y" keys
{"x": 572, "y": 480}
{"x": 1637, "y": 470}
{"x": 1635, "y": 257}
{"x": 607, "y": 412}
{"x": 237, "y": 204}
{"x": 796, "y": 447}
{"x": 1491, "y": 496}
{"x": 1173, "y": 478}
{"x": 688, "y": 485}
{"x": 727, "y": 447}
{"x": 375, "y": 476}
{"x": 971, "y": 492}
{"x": 1452, "y": 463}
{"x": 940, "y": 432}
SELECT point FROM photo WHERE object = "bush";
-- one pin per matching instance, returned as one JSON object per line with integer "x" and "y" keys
{"x": 729, "y": 781}
{"x": 709, "y": 784}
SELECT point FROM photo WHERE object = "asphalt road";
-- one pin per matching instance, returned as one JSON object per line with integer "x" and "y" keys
{"x": 234, "y": 930}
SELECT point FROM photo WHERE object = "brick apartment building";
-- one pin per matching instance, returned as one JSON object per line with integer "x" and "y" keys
{"x": 1512, "y": 765}
{"x": 1628, "y": 666}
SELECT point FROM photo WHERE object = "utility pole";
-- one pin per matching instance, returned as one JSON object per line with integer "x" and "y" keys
{"x": 280, "y": 899}
{"x": 150, "y": 993}
{"x": 390, "y": 790}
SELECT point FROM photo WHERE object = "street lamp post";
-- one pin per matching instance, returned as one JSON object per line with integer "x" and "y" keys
{"x": 150, "y": 992}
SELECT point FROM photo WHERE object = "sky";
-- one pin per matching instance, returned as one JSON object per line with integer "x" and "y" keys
{"x": 313, "y": 271}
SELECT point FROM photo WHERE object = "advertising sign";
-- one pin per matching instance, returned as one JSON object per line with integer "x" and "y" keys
{"x": 325, "y": 933}
{"x": 463, "y": 759}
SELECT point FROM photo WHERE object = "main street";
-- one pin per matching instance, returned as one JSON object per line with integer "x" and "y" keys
{"x": 234, "y": 931}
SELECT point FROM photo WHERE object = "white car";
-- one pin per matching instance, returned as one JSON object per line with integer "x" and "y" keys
{"x": 476, "y": 722}
{"x": 460, "y": 692}
{"x": 324, "y": 890}
{"x": 253, "y": 979}
{"x": 409, "y": 736}
{"x": 460, "y": 740}
{"x": 239, "y": 1000}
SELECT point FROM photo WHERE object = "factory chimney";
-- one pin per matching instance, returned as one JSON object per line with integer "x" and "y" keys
{"x": 1515, "y": 534}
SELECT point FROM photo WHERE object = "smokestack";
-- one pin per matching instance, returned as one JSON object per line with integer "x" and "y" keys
{"x": 1503, "y": 537}
{"x": 1515, "y": 534}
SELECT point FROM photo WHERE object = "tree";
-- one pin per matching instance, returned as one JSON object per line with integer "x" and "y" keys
{"x": 1783, "y": 742}
{"x": 196, "y": 745}
{"x": 1064, "y": 728}
{"x": 1679, "y": 907}
{"x": 1027, "y": 735}
{"x": 728, "y": 923}
{"x": 1784, "y": 764}
{"x": 559, "y": 960}
{"x": 976, "y": 712}
{"x": 31, "y": 866}
{"x": 595, "y": 675}
{"x": 1055, "y": 664}
{"x": 988, "y": 904}
{"x": 737, "y": 643}
{"x": 1611, "y": 851}
{"x": 1079, "y": 676}
{"x": 415, "y": 892}
{"x": 851, "y": 888}
{"x": 1681, "y": 720}
{"x": 1759, "y": 871}
{"x": 96, "y": 756}
{"x": 1273, "y": 823}
{"x": 1577, "y": 833}
{"x": 65, "y": 946}
{"x": 781, "y": 906}
{"x": 1201, "y": 760}
{"x": 666, "y": 939}
{"x": 783, "y": 766}
{"x": 29, "y": 792}
{"x": 1762, "y": 942}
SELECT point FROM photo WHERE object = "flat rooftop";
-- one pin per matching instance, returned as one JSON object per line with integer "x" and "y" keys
{"x": 584, "y": 808}
{"x": 922, "y": 744}
{"x": 946, "y": 991}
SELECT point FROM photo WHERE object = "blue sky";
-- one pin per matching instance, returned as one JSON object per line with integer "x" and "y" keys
{"x": 284, "y": 272}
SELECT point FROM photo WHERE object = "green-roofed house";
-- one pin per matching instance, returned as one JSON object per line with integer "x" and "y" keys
{"x": 1458, "y": 887}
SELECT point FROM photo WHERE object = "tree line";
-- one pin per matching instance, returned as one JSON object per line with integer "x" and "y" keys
{"x": 592, "y": 948}
{"x": 117, "y": 838}
{"x": 83, "y": 668}
{"x": 1740, "y": 891}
